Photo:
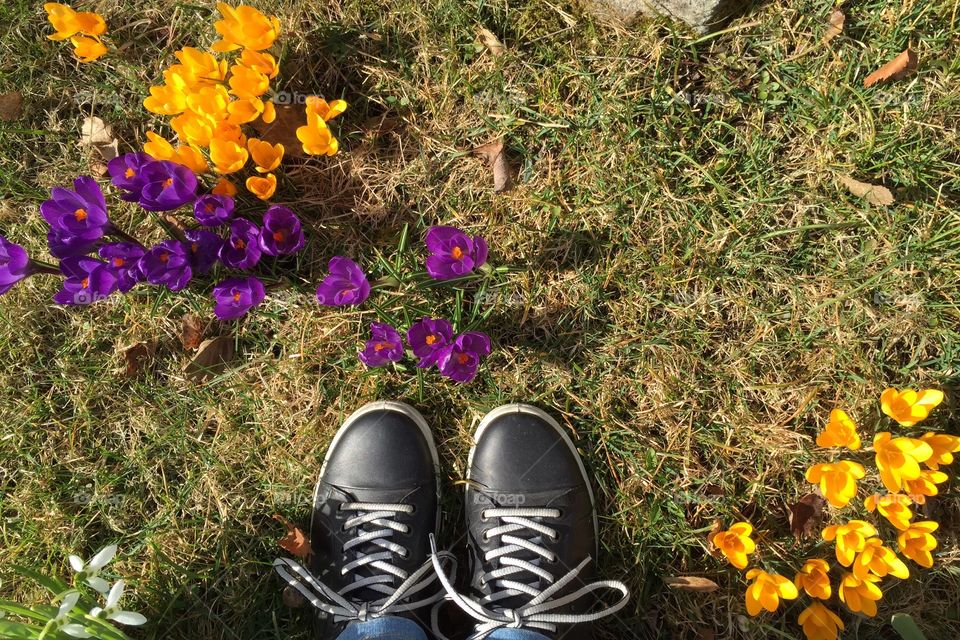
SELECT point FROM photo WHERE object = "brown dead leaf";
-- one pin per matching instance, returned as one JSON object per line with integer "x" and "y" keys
{"x": 692, "y": 583}
{"x": 714, "y": 530}
{"x": 806, "y": 515}
{"x": 284, "y": 129}
{"x": 212, "y": 357}
{"x": 874, "y": 194}
{"x": 834, "y": 26}
{"x": 897, "y": 68}
{"x": 491, "y": 42}
{"x": 191, "y": 331}
{"x": 293, "y": 598}
{"x": 95, "y": 133}
{"x": 11, "y": 106}
{"x": 496, "y": 159}
{"x": 139, "y": 357}
{"x": 296, "y": 542}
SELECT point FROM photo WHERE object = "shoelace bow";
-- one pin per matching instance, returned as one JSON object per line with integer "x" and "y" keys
{"x": 537, "y": 613}
{"x": 395, "y": 600}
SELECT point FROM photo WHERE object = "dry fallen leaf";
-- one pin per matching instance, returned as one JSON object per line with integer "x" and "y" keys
{"x": 95, "y": 133}
{"x": 496, "y": 159}
{"x": 139, "y": 357}
{"x": 293, "y": 598}
{"x": 835, "y": 25}
{"x": 692, "y": 583}
{"x": 11, "y": 106}
{"x": 874, "y": 194}
{"x": 714, "y": 530}
{"x": 191, "y": 332}
{"x": 212, "y": 358}
{"x": 296, "y": 541}
{"x": 893, "y": 70}
{"x": 806, "y": 515}
{"x": 284, "y": 129}
{"x": 491, "y": 42}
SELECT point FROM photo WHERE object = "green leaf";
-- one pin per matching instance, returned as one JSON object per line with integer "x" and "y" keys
{"x": 51, "y": 584}
{"x": 904, "y": 625}
{"x": 20, "y": 610}
{"x": 17, "y": 630}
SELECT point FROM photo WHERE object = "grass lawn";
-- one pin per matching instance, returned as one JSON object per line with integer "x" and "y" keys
{"x": 691, "y": 290}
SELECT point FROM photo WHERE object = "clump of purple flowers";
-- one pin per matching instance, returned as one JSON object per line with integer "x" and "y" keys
{"x": 97, "y": 258}
{"x": 432, "y": 341}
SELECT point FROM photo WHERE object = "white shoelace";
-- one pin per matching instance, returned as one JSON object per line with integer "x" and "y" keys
{"x": 336, "y": 603}
{"x": 535, "y": 614}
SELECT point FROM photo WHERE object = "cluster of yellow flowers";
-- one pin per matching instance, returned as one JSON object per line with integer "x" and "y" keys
{"x": 210, "y": 99}
{"x": 82, "y": 28}
{"x": 859, "y": 550}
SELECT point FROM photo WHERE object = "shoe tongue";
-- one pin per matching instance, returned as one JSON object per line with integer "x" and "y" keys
{"x": 394, "y": 496}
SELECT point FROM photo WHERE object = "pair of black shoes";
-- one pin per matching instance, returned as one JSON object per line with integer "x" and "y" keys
{"x": 531, "y": 527}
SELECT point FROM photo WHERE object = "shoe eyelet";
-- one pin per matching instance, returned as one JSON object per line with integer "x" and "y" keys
{"x": 483, "y": 516}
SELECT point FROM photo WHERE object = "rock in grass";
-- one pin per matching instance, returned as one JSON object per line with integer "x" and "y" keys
{"x": 702, "y": 15}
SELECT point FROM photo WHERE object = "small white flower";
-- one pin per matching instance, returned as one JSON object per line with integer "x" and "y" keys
{"x": 75, "y": 630}
{"x": 111, "y": 608}
{"x": 90, "y": 570}
{"x": 69, "y": 601}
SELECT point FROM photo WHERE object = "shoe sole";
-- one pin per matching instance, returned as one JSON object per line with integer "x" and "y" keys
{"x": 388, "y": 405}
{"x": 528, "y": 409}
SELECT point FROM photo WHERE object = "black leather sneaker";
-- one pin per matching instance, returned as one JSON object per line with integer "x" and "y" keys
{"x": 374, "y": 510}
{"x": 532, "y": 529}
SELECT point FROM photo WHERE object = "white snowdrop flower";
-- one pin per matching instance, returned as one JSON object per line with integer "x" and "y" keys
{"x": 89, "y": 571}
{"x": 111, "y": 608}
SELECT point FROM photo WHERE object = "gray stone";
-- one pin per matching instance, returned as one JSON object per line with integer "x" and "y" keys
{"x": 703, "y": 15}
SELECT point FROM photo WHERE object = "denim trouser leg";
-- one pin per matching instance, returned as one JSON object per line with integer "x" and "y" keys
{"x": 515, "y": 634}
{"x": 387, "y": 628}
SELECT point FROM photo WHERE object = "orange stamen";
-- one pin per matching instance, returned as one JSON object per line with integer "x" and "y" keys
{"x": 278, "y": 236}
{"x": 168, "y": 182}
{"x": 236, "y": 297}
{"x": 85, "y": 283}
{"x": 129, "y": 173}
{"x": 457, "y": 253}
{"x": 463, "y": 358}
{"x": 119, "y": 262}
{"x": 164, "y": 257}
{"x": 80, "y": 215}
{"x": 430, "y": 339}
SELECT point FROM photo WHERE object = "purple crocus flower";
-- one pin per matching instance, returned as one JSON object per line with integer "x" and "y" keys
{"x": 383, "y": 347}
{"x": 428, "y": 337}
{"x": 242, "y": 248}
{"x": 345, "y": 285}
{"x": 213, "y": 210}
{"x": 459, "y": 361}
{"x": 66, "y": 246}
{"x": 204, "y": 247}
{"x": 236, "y": 296}
{"x": 453, "y": 253}
{"x": 282, "y": 233}
{"x": 123, "y": 258}
{"x": 167, "y": 263}
{"x": 14, "y": 264}
{"x": 126, "y": 173}
{"x": 77, "y": 217}
{"x": 166, "y": 186}
{"x": 88, "y": 280}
